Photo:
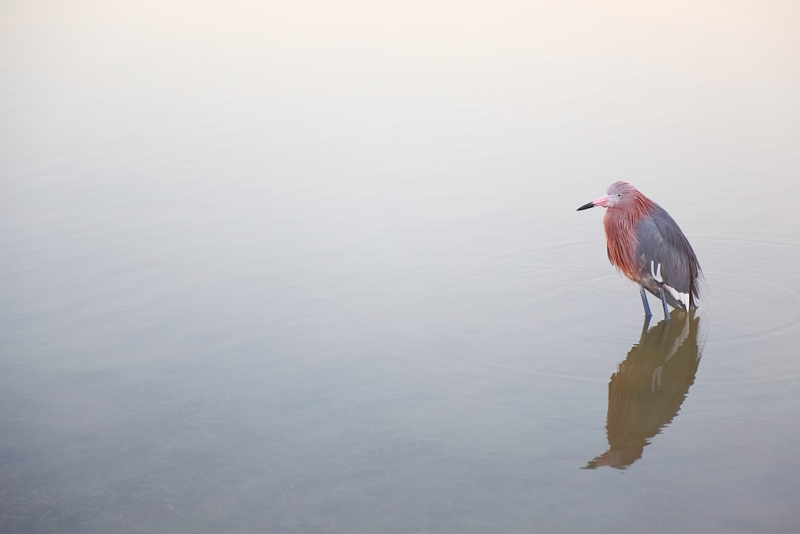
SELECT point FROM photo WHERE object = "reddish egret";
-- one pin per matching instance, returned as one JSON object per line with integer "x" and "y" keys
{"x": 645, "y": 244}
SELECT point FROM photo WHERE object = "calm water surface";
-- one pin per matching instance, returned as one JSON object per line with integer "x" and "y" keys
{"x": 316, "y": 267}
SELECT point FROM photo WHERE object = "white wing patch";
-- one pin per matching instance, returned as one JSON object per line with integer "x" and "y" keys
{"x": 682, "y": 297}
{"x": 655, "y": 272}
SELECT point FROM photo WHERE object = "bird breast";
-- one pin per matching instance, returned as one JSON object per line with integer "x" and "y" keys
{"x": 621, "y": 243}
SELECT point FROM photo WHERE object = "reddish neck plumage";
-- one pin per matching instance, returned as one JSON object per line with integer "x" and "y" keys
{"x": 620, "y": 223}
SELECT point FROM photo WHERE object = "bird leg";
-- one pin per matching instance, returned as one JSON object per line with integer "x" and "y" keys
{"x": 647, "y": 312}
{"x": 645, "y": 328}
{"x": 664, "y": 303}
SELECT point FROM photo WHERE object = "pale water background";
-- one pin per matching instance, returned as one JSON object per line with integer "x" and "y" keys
{"x": 316, "y": 267}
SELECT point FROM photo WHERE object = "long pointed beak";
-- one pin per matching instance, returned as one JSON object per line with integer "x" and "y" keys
{"x": 602, "y": 201}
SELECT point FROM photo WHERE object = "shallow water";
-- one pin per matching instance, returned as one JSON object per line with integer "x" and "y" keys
{"x": 303, "y": 267}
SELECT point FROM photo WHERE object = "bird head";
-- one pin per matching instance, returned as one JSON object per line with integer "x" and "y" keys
{"x": 617, "y": 195}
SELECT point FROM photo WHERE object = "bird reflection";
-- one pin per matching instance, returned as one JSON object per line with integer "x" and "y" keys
{"x": 646, "y": 392}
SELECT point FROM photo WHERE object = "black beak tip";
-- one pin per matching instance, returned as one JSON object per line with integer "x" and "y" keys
{"x": 586, "y": 206}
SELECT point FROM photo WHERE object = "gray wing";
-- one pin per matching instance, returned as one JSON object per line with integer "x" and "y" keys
{"x": 667, "y": 255}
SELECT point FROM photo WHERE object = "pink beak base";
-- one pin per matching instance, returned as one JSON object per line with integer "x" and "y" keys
{"x": 602, "y": 201}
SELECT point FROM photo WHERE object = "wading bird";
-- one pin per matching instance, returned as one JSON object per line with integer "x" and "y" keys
{"x": 645, "y": 244}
